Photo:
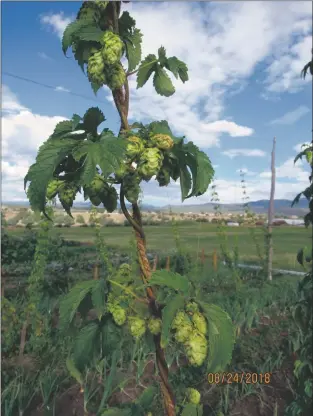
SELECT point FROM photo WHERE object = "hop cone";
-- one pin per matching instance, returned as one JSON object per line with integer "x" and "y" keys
{"x": 162, "y": 141}
{"x": 193, "y": 396}
{"x": 150, "y": 162}
{"x": 137, "y": 326}
{"x": 131, "y": 188}
{"x": 102, "y": 5}
{"x": 109, "y": 198}
{"x": 67, "y": 194}
{"x": 53, "y": 188}
{"x": 196, "y": 349}
{"x": 119, "y": 316}
{"x": 200, "y": 323}
{"x": 124, "y": 270}
{"x": 112, "y": 50}
{"x": 163, "y": 177}
{"x": 192, "y": 307}
{"x": 183, "y": 327}
{"x": 155, "y": 326}
{"x": 121, "y": 172}
{"x": 116, "y": 76}
{"x": 95, "y": 69}
{"x": 135, "y": 147}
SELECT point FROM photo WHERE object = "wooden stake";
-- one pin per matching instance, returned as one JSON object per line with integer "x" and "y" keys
{"x": 95, "y": 272}
{"x": 271, "y": 215}
{"x": 155, "y": 263}
{"x": 215, "y": 260}
{"x": 167, "y": 267}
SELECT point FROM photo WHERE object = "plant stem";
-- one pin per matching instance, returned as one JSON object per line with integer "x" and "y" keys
{"x": 142, "y": 66}
{"x": 128, "y": 291}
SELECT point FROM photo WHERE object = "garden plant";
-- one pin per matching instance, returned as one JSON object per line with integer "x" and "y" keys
{"x": 162, "y": 309}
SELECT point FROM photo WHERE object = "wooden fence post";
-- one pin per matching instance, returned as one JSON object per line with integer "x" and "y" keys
{"x": 202, "y": 257}
{"x": 95, "y": 271}
{"x": 215, "y": 260}
{"x": 155, "y": 263}
{"x": 167, "y": 267}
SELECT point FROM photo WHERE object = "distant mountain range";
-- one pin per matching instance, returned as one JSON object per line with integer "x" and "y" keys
{"x": 281, "y": 206}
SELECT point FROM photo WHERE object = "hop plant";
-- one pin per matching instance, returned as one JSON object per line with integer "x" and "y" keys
{"x": 183, "y": 327}
{"x": 95, "y": 69}
{"x": 53, "y": 188}
{"x": 162, "y": 141}
{"x": 200, "y": 323}
{"x": 116, "y": 76}
{"x": 150, "y": 163}
{"x": 119, "y": 316}
{"x": 124, "y": 270}
{"x": 108, "y": 197}
{"x": 102, "y": 5}
{"x": 196, "y": 348}
{"x": 121, "y": 172}
{"x": 131, "y": 187}
{"x": 67, "y": 194}
{"x": 137, "y": 326}
{"x": 155, "y": 326}
{"x": 163, "y": 177}
{"x": 192, "y": 307}
{"x": 112, "y": 50}
{"x": 135, "y": 147}
{"x": 193, "y": 396}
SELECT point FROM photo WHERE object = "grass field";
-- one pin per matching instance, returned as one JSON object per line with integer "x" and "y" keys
{"x": 287, "y": 240}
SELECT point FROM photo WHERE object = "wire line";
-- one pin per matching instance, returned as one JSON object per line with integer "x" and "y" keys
{"x": 50, "y": 87}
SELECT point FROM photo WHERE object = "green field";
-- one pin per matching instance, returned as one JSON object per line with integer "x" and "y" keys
{"x": 287, "y": 240}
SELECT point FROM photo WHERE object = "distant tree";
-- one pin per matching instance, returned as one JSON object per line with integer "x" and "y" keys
{"x": 80, "y": 219}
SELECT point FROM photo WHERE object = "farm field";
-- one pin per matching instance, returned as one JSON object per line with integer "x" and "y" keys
{"x": 161, "y": 238}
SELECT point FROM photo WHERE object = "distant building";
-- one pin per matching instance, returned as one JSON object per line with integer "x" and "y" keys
{"x": 233, "y": 224}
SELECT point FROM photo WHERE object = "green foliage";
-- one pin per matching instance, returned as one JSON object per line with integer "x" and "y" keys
{"x": 173, "y": 304}
{"x": 169, "y": 279}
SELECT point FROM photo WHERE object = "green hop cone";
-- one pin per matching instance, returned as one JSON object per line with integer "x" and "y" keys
{"x": 95, "y": 69}
{"x": 131, "y": 187}
{"x": 162, "y": 141}
{"x": 124, "y": 270}
{"x": 193, "y": 396}
{"x": 67, "y": 195}
{"x": 108, "y": 198}
{"x": 200, "y": 323}
{"x": 191, "y": 308}
{"x": 150, "y": 163}
{"x": 116, "y": 76}
{"x": 163, "y": 177}
{"x": 137, "y": 326}
{"x": 135, "y": 147}
{"x": 155, "y": 326}
{"x": 196, "y": 348}
{"x": 53, "y": 188}
{"x": 119, "y": 316}
{"x": 183, "y": 327}
{"x": 112, "y": 50}
{"x": 121, "y": 172}
{"x": 102, "y": 5}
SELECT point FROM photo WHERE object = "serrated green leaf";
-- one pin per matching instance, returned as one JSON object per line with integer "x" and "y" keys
{"x": 116, "y": 412}
{"x": 175, "y": 303}
{"x": 147, "y": 67}
{"x": 160, "y": 127}
{"x": 90, "y": 32}
{"x": 162, "y": 56}
{"x": 185, "y": 181}
{"x": 177, "y": 67}
{"x": 192, "y": 410}
{"x": 162, "y": 82}
{"x": 111, "y": 336}
{"x": 95, "y": 87}
{"x": 146, "y": 398}
{"x": 74, "y": 372}
{"x": 71, "y": 301}
{"x": 98, "y": 295}
{"x": 108, "y": 153}
{"x": 76, "y": 119}
{"x": 92, "y": 119}
{"x": 133, "y": 49}
{"x": 170, "y": 279}
{"x": 49, "y": 156}
{"x": 126, "y": 24}
{"x": 71, "y": 31}
{"x": 220, "y": 345}
{"x": 61, "y": 129}
{"x": 86, "y": 344}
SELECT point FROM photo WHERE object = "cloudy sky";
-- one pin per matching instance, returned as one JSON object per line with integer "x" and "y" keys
{"x": 244, "y": 61}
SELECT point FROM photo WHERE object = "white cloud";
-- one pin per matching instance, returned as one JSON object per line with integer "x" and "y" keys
{"x": 292, "y": 116}
{"x": 56, "y": 22}
{"x": 298, "y": 148}
{"x": 10, "y": 103}
{"x": 244, "y": 152}
{"x": 44, "y": 56}
{"x": 225, "y": 126}
{"x": 289, "y": 170}
{"x": 61, "y": 89}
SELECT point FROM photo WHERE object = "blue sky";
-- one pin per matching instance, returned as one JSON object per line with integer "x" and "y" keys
{"x": 244, "y": 61}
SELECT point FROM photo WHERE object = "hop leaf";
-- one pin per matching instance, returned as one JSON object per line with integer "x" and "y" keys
{"x": 147, "y": 67}
{"x": 162, "y": 82}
